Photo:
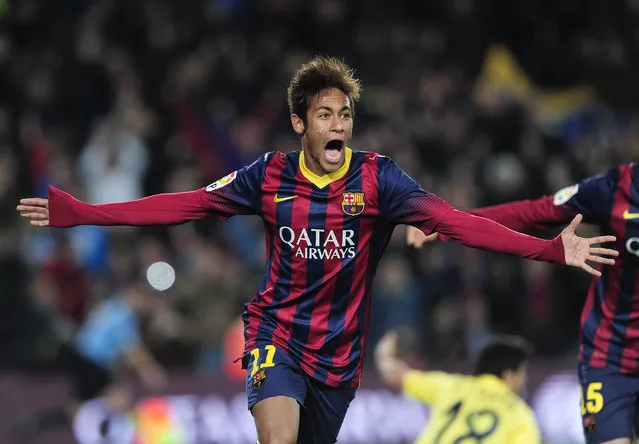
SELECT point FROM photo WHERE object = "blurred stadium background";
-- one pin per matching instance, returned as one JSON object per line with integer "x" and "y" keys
{"x": 482, "y": 102}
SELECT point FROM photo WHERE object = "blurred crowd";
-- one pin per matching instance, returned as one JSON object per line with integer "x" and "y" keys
{"x": 482, "y": 102}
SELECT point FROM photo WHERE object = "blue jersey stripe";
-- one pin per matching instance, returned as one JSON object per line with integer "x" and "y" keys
{"x": 284, "y": 211}
{"x": 337, "y": 314}
{"x": 314, "y": 268}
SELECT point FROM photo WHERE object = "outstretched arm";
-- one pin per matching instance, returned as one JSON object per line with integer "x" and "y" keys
{"x": 236, "y": 193}
{"x": 524, "y": 215}
{"x": 405, "y": 202}
{"x": 592, "y": 198}
{"x": 63, "y": 210}
{"x": 567, "y": 248}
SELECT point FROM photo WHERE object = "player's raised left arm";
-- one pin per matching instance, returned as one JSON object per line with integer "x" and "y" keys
{"x": 567, "y": 248}
{"x": 405, "y": 202}
{"x": 592, "y": 197}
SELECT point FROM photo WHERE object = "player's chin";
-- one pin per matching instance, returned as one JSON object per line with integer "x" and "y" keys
{"x": 331, "y": 167}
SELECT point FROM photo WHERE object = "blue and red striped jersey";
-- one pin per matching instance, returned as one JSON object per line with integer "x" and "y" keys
{"x": 324, "y": 236}
{"x": 610, "y": 317}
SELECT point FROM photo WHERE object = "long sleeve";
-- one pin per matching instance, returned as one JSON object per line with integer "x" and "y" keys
{"x": 485, "y": 234}
{"x": 403, "y": 201}
{"x": 237, "y": 193}
{"x": 160, "y": 209}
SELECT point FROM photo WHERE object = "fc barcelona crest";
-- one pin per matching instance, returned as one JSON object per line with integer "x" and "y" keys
{"x": 259, "y": 379}
{"x": 353, "y": 203}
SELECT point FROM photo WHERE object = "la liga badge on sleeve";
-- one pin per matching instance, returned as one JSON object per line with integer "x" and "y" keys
{"x": 222, "y": 182}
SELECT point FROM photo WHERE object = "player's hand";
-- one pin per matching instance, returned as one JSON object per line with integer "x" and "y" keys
{"x": 578, "y": 250}
{"x": 387, "y": 345}
{"x": 416, "y": 237}
{"x": 36, "y": 210}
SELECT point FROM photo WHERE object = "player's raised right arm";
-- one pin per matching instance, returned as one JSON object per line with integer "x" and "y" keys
{"x": 63, "y": 210}
{"x": 236, "y": 193}
{"x": 405, "y": 202}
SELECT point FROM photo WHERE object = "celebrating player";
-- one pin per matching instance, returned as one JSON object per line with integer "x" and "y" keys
{"x": 482, "y": 408}
{"x": 328, "y": 214}
{"x": 609, "y": 343}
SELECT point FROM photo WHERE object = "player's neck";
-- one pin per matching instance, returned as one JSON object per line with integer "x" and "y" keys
{"x": 318, "y": 175}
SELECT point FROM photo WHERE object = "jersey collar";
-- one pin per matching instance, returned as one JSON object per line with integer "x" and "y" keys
{"x": 326, "y": 179}
{"x": 495, "y": 381}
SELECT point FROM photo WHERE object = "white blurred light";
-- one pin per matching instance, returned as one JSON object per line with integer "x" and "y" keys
{"x": 160, "y": 276}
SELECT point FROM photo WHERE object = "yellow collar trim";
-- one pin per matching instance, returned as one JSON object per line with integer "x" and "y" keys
{"x": 326, "y": 179}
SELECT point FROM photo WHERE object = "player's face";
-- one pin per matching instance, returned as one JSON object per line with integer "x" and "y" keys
{"x": 328, "y": 129}
{"x": 519, "y": 378}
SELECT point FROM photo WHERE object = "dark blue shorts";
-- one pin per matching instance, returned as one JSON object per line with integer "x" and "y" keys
{"x": 608, "y": 404}
{"x": 271, "y": 372}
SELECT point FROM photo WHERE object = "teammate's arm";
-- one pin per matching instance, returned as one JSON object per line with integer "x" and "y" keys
{"x": 403, "y": 201}
{"x": 236, "y": 193}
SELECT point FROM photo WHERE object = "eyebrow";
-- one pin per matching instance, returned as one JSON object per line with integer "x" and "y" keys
{"x": 328, "y": 108}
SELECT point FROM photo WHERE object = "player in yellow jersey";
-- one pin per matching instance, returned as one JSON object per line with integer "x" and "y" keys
{"x": 485, "y": 408}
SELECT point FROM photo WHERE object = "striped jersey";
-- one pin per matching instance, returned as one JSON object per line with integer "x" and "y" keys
{"x": 325, "y": 236}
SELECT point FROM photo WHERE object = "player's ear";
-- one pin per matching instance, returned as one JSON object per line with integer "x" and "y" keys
{"x": 298, "y": 124}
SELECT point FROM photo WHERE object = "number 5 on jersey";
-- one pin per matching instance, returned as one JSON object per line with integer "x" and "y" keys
{"x": 593, "y": 402}
{"x": 268, "y": 359}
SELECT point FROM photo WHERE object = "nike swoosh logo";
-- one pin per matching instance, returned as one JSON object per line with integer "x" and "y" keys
{"x": 282, "y": 199}
{"x": 627, "y": 215}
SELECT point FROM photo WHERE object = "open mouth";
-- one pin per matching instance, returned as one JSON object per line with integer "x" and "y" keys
{"x": 333, "y": 150}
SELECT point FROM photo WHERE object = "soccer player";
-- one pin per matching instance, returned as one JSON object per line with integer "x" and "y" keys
{"x": 328, "y": 214}
{"x": 482, "y": 408}
{"x": 608, "y": 366}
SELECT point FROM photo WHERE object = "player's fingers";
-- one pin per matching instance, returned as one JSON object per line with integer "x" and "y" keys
{"x": 417, "y": 245}
{"x": 415, "y": 238}
{"x": 573, "y": 224}
{"x": 601, "y": 239}
{"x": 31, "y": 208}
{"x": 601, "y": 260}
{"x": 590, "y": 270}
{"x": 412, "y": 241}
{"x": 35, "y": 215}
{"x": 40, "y": 223}
{"x": 37, "y": 201}
{"x": 604, "y": 251}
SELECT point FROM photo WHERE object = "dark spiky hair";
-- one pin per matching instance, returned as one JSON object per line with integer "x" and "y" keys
{"x": 317, "y": 75}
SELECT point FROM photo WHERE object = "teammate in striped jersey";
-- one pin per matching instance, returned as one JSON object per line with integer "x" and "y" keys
{"x": 609, "y": 341}
{"x": 328, "y": 214}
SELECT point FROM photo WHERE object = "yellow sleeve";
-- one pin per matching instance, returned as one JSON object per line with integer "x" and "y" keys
{"x": 526, "y": 430}
{"x": 428, "y": 386}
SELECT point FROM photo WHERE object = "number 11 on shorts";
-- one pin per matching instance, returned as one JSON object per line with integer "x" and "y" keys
{"x": 268, "y": 361}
